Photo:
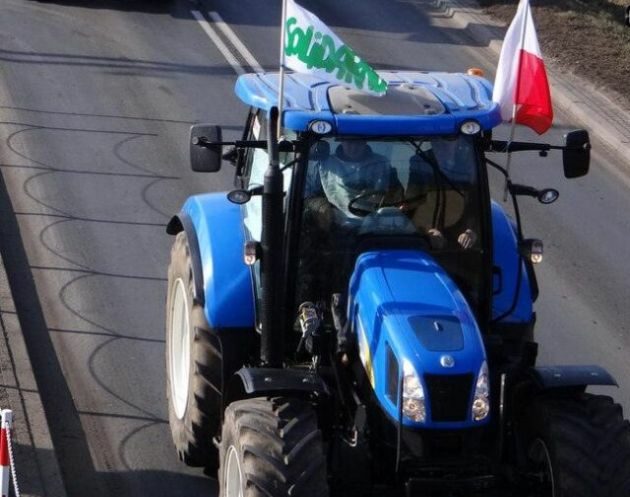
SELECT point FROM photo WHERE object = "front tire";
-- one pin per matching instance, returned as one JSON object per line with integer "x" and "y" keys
{"x": 271, "y": 448}
{"x": 579, "y": 446}
{"x": 193, "y": 365}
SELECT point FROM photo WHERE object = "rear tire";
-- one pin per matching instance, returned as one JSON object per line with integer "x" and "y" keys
{"x": 580, "y": 445}
{"x": 272, "y": 448}
{"x": 193, "y": 366}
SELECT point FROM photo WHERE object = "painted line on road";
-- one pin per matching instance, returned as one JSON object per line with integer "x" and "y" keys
{"x": 216, "y": 39}
{"x": 235, "y": 40}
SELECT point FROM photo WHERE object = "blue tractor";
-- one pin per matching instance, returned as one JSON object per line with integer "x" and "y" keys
{"x": 355, "y": 317}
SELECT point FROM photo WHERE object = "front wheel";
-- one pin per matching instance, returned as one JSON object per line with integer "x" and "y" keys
{"x": 193, "y": 365}
{"x": 271, "y": 447}
{"x": 577, "y": 446}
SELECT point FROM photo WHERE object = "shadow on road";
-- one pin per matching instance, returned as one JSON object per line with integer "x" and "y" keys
{"x": 148, "y": 6}
{"x": 131, "y": 482}
{"x": 68, "y": 436}
{"x": 414, "y": 17}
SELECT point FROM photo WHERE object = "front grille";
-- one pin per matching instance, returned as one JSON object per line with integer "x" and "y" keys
{"x": 449, "y": 396}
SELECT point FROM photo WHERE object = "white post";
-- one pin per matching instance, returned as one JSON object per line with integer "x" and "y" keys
{"x": 518, "y": 83}
{"x": 5, "y": 461}
{"x": 283, "y": 36}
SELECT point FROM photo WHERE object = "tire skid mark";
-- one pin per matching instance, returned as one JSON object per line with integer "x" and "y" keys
{"x": 110, "y": 391}
{"x": 122, "y": 446}
{"x": 67, "y": 219}
{"x": 91, "y": 220}
{"x": 44, "y": 242}
{"x": 151, "y": 206}
{"x": 118, "y": 154}
{"x": 104, "y": 334}
{"x": 90, "y": 173}
{"x": 115, "y": 336}
{"x": 86, "y": 274}
{"x": 35, "y": 198}
{"x": 103, "y": 116}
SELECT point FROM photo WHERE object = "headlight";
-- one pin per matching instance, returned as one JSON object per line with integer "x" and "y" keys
{"x": 470, "y": 127}
{"x": 413, "y": 403}
{"x": 532, "y": 249}
{"x": 481, "y": 401}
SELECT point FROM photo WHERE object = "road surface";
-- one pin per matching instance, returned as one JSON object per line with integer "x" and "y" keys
{"x": 96, "y": 98}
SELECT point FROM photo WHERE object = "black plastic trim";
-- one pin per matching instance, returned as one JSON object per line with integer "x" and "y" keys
{"x": 256, "y": 382}
{"x": 182, "y": 222}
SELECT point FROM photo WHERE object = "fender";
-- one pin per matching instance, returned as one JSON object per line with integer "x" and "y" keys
{"x": 548, "y": 377}
{"x": 222, "y": 281}
{"x": 508, "y": 260}
{"x": 260, "y": 382}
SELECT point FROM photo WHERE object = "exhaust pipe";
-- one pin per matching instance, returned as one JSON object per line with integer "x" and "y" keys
{"x": 272, "y": 340}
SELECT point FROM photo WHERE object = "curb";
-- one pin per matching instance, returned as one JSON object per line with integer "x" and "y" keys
{"x": 588, "y": 107}
{"x": 36, "y": 463}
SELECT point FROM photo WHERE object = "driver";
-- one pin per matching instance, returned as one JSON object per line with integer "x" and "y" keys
{"x": 353, "y": 170}
{"x": 332, "y": 184}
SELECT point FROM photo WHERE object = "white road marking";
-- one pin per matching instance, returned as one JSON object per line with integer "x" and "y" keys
{"x": 225, "y": 51}
{"x": 238, "y": 44}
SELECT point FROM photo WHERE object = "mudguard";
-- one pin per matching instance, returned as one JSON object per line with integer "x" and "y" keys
{"x": 227, "y": 286}
{"x": 547, "y": 377}
{"x": 403, "y": 306}
{"x": 509, "y": 262}
{"x": 260, "y": 382}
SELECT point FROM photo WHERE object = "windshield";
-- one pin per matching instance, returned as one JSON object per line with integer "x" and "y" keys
{"x": 422, "y": 189}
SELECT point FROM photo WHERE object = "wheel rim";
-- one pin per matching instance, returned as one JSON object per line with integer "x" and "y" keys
{"x": 233, "y": 475}
{"x": 541, "y": 461}
{"x": 180, "y": 349}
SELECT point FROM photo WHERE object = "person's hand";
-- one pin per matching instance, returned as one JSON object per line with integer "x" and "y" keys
{"x": 467, "y": 239}
{"x": 436, "y": 239}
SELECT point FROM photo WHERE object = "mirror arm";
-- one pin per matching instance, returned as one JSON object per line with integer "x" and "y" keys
{"x": 517, "y": 189}
{"x": 501, "y": 146}
{"x": 202, "y": 141}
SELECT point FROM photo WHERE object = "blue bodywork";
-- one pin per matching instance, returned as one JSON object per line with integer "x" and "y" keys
{"x": 404, "y": 301}
{"x": 306, "y": 99}
{"x": 402, "y": 305}
{"x": 507, "y": 258}
{"x": 229, "y": 301}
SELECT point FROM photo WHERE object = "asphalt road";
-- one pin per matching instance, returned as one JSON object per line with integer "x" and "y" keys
{"x": 96, "y": 98}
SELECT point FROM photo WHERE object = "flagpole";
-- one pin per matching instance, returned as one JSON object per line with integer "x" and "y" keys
{"x": 516, "y": 92}
{"x": 283, "y": 35}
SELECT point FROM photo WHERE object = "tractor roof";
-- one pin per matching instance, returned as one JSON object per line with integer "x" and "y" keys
{"x": 416, "y": 103}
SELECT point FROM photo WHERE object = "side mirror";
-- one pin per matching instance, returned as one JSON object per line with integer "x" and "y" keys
{"x": 576, "y": 154}
{"x": 205, "y": 148}
{"x": 243, "y": 196}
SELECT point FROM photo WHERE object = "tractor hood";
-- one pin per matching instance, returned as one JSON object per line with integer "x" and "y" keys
{"x": 404, "y": 308}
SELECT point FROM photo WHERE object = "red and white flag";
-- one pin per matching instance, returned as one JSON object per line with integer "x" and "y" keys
{"x": 521, "y": 79}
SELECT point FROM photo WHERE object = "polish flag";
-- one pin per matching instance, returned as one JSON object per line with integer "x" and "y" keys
{"x": 521, "y": 83}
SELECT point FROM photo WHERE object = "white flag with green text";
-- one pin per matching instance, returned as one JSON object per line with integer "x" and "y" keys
{"x": 311, "y": 47}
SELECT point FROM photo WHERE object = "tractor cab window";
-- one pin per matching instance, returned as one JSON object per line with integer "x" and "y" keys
{"x": 408, "y": 193}
{"x": 256, "y": 163}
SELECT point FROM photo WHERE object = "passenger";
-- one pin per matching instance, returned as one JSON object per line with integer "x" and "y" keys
{"x": 437, "y": 193}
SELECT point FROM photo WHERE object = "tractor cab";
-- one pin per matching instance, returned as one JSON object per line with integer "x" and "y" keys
{"x": 403, "y": 171}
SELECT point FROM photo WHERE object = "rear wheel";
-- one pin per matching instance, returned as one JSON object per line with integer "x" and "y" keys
{"x": 272, "y": 448}
{"x": 577, "y": 446}
{"x": 193, "y": 365}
